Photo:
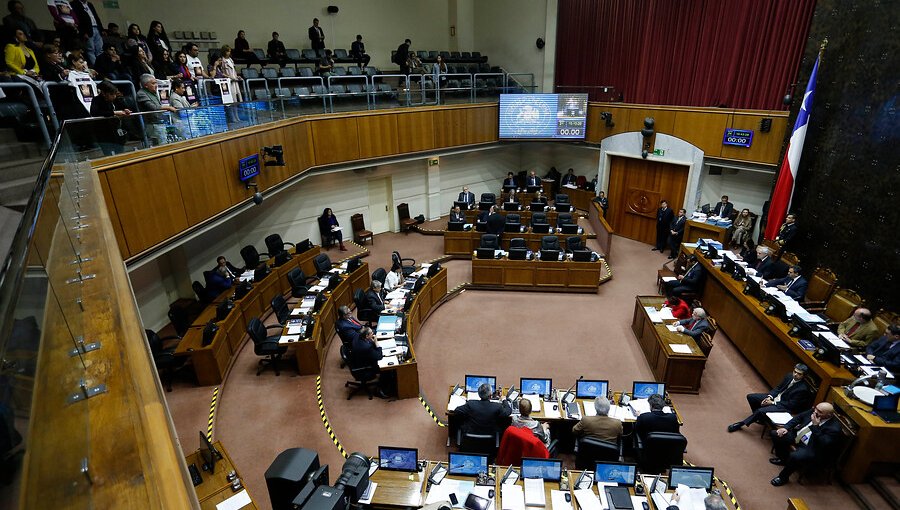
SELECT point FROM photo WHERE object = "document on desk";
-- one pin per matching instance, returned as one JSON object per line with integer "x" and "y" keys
{"x": 550, "y": 412}
{"x": 535, "y": 402}
{"x": 779, "y": 418}
{"x": 485, "y": 492}
{"x": 397, "y": 293}
{"x": 558, "y": 500}
{"x": 319, "y": 287}
{"x": 639, "y": 406}
{"x": 661, "y": 500}
{"x": 653, "y": 314}
{"x": 673, "y": 329}
{"x": 455, "y": 401}
{"x": 590, "y": 410}
{"x": 296, "y": 330}
{"x": 620, "y": 413}
{"x": 637, "y": 502}
{"x": 587, "y": 500}
{"x": 690, "y": 499}
{"x": 387, "y": 323}
{"x": 461, "y": 488}
{"x": 246, "y": 276}
{"x": 388, "y": 361}
{"x": 389, "y": 343}
{"x": 680, "y": 348}
{"x": 534, "y": 492}
{"x": 236, "y": 502}
{"x": 288, "y": 339}
{"x": 833, "y": 339}
{"x": 665, "y": 313}
{"x": 512, "y": 497}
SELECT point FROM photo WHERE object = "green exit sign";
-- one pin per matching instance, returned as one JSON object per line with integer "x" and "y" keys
{"x": 111, "y": 4}
{"x": 659, "y": 152}
{"x": 434, "y": 161}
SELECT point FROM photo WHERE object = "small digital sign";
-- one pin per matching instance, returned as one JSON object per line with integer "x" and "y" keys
{"x": 738, "y": 137}
{"x": 248, "y": 167}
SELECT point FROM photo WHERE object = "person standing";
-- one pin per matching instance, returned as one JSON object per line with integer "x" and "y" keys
{"x": 89, "y": 28}
{"x": 17, "y": 20}
{"x": 316, "y": 35}
{"x": 358, "y": 51}
{"x": 148, "y": 101}
{"x": 664, "y": 217}
{"x": 402, "y": 56}
{"x": 787, "y": 231}
{"x": 676, "y": 233}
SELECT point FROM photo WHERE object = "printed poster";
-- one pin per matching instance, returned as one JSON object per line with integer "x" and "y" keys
{"x": 163, "y": 88}
{"x": 225, "y": 87}
{"x": 85, "y": 88}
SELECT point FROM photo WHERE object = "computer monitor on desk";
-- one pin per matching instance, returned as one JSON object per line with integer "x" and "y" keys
{"x": 518, "y": 253}
{"x": 693, "y": 477}
{"x": 619, "y": 473}
{"x": 739, "y": 273}
{"x": 474, "y": 381}
{"x": 467, "y": 464}
{"x": 484, "y": 253}
{"x": 462, "y": 205}
{"x": 569, "y": 228}
{"x": 548, "y": 469}
{"x": 643, "y": 389}
{"x": 536, "y": 206}
{"x": 302, "y": 246}
{"x": 540, "y": 228}
{"x": 398, "y": 459}
{"x": 591, "y": 388}
{"x": 455, "y": 226}
{"x": 826, "y": 351}
{"x": 532, "y": 189}
{"x": 550, "y": 255}
{"x": 727, "y": 265}
{"x": 510, "y": 206}
{"x": 512, "y": 227}
{"x": 752, "y": 288}
{"x": 583, "y": 256}
{"x": 535, "y": 386}
{"x": 776, "y": 308}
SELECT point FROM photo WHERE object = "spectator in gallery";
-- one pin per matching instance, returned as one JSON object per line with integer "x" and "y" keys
{"x": 78, "y": 63}
{"x": 139, "y": 64}
{"x": 241, "y": 50}
{"x": 17, "y": 20}
{"x": 275, "y": 50}
{"x": 113, "y": 37}
{"x": 401, "y": 57}
{"x": 20, "y": 59}
{"x": 178, "y": 98}
{"x": 158, "y": 40}
{"x": 358, "y": 52}
{"x": 148, "y": 101}
{"x": 136, "y": 39}
{"x": 325, "y": 65}
{"x": 51, "y": 64}
{"x": 165, "y": 68}
{"x": 109, "y": 64}
{"x": 439, "y": 69}
{"x": 108, "y": 103}
{"x": 742, "y": 226}
{"x": 198, "y": 70}
{"x": 64, "y": 21}
{"x": 89, "y": 28}
{"x": 316, "y": 35}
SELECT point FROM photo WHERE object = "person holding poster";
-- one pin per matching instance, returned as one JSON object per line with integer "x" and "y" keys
{"x": 148, "y": 101}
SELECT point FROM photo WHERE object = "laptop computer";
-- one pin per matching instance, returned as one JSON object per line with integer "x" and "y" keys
{"x": 885, "y": 407}
{"x": 467, "y": 464}
{"x": 398, "y": 459}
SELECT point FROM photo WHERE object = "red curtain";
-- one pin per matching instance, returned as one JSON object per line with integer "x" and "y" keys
{"x": 738, "y": 54}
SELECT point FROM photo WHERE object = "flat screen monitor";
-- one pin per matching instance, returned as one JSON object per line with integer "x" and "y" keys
{"x": 321, "y": 298}
{"x": 776, "y": 308}
{"x": 569, "y": 228}
{"x": 739, "y": 273}
{"x": 591, "y": 388}
{"x": 535, "y": 386}
{"x": 548, "y": 116}
{"x": 485, "y": 206}
{"x": 512, "y": 227}
{"x": 474, "y": 381}
{"x": 886, "y": 402}
{"x": 563, "y": 207}
{"x": 532, "y": 189}
{"x": 260, "y": 272}
{"x": 582, "y": 255}
{"x": 711, "y": 252}
{"x": 462, "y": 205}
{"x": 801, "y": 328}
{"x": 420, "y": 282}
{"x": 619, "y": 473}
{"x": 693, "y": 477}
{"x": 209, "y": 333}
{"x": 536, "y": 206}
{"x": 302, "y": 246}
{"x": 248, "y": 167}
{"x": 826, "y": 351}
{"x": 485, "y": 253}
{"x": 752, "y": 288}
{"x": 540, "y": 228}
{"x": 510, "y": 206}
{"x": 643, "y": 389}
{"x": 398, "y": 459}
{"x": 223, "y": 309}
{"x": 455, "y": 226}
{"x": 467, "y": 464}
{"x": 548, "y": 469}
{"x": 433, "y": 270}
{"x": 209, "y": 453}
{"x": 480, "y": 226}
{"x": 728, "y": 265}
{"x": 549, "y": 255}
{"x": 518, "y": 253}
{"x": 353, "y": 264}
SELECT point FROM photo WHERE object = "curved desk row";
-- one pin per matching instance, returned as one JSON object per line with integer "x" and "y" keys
{"x": 524, "y": 215}
{"x": 462, "y": 244}
{"x": 565, "y": 276}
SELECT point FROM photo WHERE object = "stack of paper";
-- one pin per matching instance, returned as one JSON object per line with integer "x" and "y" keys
{"x": 287, "y": 339}
{"x": 461, "y": 488}
{"x": 296, "y": 330}
{"x": 653, "y": 314}
{"x": 669, "y": 278}
{"x": 620, "y": 413}
{"x": 485, "y": 492}
{"x": 512, "y": 497}
{"x": 455, "y": 401}
{"x": 534, "y": 492}
{"x": 551, "y": 410}
{"x": 680, "y": 348}
{"x": 665, "y": 313}
{"x": 387, "y": 323}
{"x": 397, "y": 293}
{"x": 239, "y": 500}
{"x": 689, "y": 498}
{"x": 834, "y": 339}
{"x": 639, "y": 406}
{"x": 366, "y": 497}
{"x": 246, "y": 276}
{"x": 587, "y": 500}
{"x": 673, "y": 329}
{"x": 388, "y": 361}
{"x": 779, "y": 418}
{"x": 558, "y": 500}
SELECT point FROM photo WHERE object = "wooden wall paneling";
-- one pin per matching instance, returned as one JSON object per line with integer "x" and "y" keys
{"x": 638, "y": 185}
{"x": 378, "y": 136}
{"x": 663, "y": 120}
{"x": 272, "y": 175}
{"x": 766, "y": 147}
{"x": 335, "y": 140}
{"x": 148, "y": 200}
{"x": 415, "y": 131}
{"x": 299, "y": 146}
{"x": 202, "y": 177}
{"x": 449, "y": 127}
{"x": 232, "y": 151}
{"x": 114, "y": 215}
{"x": 703, "y": 129}
{"x": 482, "y": 124}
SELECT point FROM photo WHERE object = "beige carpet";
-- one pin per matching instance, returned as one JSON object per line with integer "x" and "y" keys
{"x": 509, "y": 335}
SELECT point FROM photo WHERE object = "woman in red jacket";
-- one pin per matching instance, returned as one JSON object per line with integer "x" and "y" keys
{"x": 680, "y": 309}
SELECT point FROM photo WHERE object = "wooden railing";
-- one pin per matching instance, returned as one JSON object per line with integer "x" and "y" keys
{"x": 601, "y": 228}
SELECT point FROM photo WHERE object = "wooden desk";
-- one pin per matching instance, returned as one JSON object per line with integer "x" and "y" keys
{"x": 396, "y": 490}
{"x": 762, "y": 339}
{"x": 524, "y": 216}
{"x": 211, "y": 362}
{"x": 566, "y": 276}
{"x": 877, "y": 442}
{"x": 680, "y": 372}
{"x": 579, "y": 198}
{"x": 462, "y": 244}
{"x": 215, "y": 487}
{"x": 694, "y": 230}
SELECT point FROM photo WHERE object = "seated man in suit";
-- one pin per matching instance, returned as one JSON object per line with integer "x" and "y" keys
{"x": 496, "y": 222}
{"x": 510, "y": 182}
{"x": 467, "y": 197}
{"x": 533, "y": 180}
{"x": 724, "y": 208}
{"x": 656, "y": 420}
{"x": 886, "y": 350}
{"x": 858, "y": 330}
{"x": 374, "y": 299}
{"x": 524, "y": 419}
{"x": 457, "y": 215}
{"x": 569, "y": 178}
{"x": 792, "y": 395}
{"x": 764, "y": 266}
{"x": 511, "y": 198}
{"x": 695, "y": 325}
{"x": 793, "y": 285}
{"x": 364, "y": 354}
{"x": 600, "y": 427}
{"x": 347, "y": 326}
{"x": 676, "y": 233}
{"x": 225, "y": 268}
{"x": 787, "y": 231}
{"x": 483, "y": 416}
{"x": 812, "y": 437}
{"x": 690, "y": 281}
{"x": 216, "y": 283}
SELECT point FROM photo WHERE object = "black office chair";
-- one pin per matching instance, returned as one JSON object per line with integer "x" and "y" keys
{"x": 478, "y": 443}
{"x": 408, "y": 265}
{"x": 513, "y": 223}
{"x": 592, "y": 450}
{"x": 550, "y": 243}
{"x": 275, "y": 244}
{"x": 201, "y": 293}
{"x": 517, "y": 242}
{"x": 573, "y": 243}
{"x": 345, "y": 353}
{"x": 364, "y": 377}
{"x": 562, "y": 203}
{"x": 322, "y": 263}
{"x": 363, "y": 312}
{"x": 167, "y": 364}
{"x": 487, "y": 200}
{"x": 379, "y": 275}
{"x": 539, "y": 218}
{"x": 182, "y": 317}
{"x": 659, "y": 451}
{"x": 564, "y": 219}
{"x": 251, "y": 256}
{"x": 265, "y": 346}
{"x": 299, "y": 282}
{"x": 281, "y": 310}
{"x": 491, "y": 241}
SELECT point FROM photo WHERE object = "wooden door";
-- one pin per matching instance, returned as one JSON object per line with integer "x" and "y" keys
{"x": 636, "y": 187}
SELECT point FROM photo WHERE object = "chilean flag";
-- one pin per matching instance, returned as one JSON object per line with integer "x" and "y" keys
{"x": 787, "y": 175}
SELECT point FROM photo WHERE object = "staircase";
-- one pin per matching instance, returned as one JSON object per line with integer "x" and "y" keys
{"x": 880, "y": 493}
{"x": 20, "y": 164}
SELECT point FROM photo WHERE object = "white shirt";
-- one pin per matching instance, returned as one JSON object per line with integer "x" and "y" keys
{"x": 392, "y": 281}
{"x": 196, "y": 66}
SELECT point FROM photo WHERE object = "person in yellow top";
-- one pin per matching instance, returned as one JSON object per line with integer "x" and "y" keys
{"x": 859, "y": 330}
{"x": 19, "y": 57}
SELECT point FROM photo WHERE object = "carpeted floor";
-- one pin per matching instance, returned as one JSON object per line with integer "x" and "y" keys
{"x": 507, "y": 334}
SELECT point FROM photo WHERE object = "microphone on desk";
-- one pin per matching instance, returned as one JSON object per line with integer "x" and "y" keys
{"x": 568, "y": 393}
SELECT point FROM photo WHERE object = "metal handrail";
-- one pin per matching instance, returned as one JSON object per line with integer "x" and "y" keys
{"x": 348, "y": 94}
{"x": 448, "y": 89}
{"x": 300, "y": 78}
{"x": 34, "y": 103}
{"x": 530, "y": 88}
{"x": 404, "y": 79}
{"x": 475, "y": 82}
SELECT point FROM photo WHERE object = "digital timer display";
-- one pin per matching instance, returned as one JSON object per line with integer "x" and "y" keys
{"x": 738, "y": 137}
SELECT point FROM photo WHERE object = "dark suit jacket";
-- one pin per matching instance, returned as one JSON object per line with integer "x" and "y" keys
{"x": 655, "y": 421}
{"x": 797, "y": 289}
{"x": 795, "y": 398}
{"x": 374, "y": 301}
{"x": 786, "y": 233}
{"x": 483, "y": 416}
{"x": 84, "y": 21}
{"x": 496, "y": 223}
{"x": 677, "y": 225}
{"x": 457, "y": 216}
{"x": 766, "y": 268}
{"x": 402, "y": 54}
{"x": 468, "y": 198}
{"x": 726, "y": 213}
{"x": 364, "y": 353}
{"x": 275, "y": 49}
{"x": 357, "y": 48}
{"x": 664, "y": 219}
{"x": 693, "y": 277}
{"x": 824, "y": 437}
{"x": 509, "y": 182}
{"x": 347, "y": 330}
{"x": 887, "y": 354}
{"x": 533, "y": 181}
{"x": 698, "y": 328}
{"x": 568, "y": 179}
{"x": 216, "y": 283}
{"x": 316, "y": 34}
